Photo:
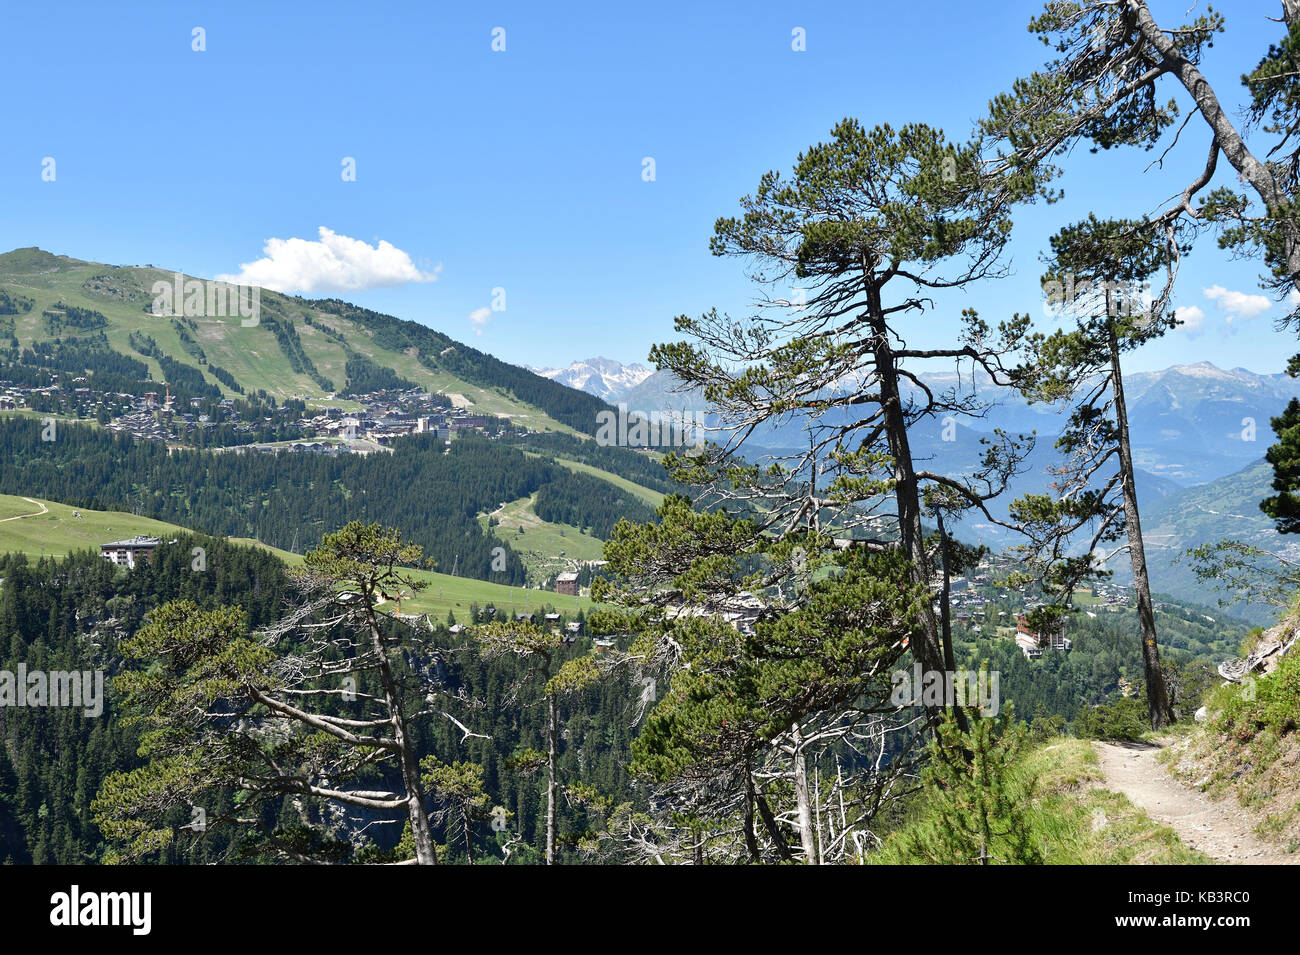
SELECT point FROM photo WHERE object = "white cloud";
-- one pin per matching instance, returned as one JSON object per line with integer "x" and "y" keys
{"x": 1237, "y": 304}
{"x": 1190, "y": 316}
{"x": 479, "y": 319}
{"x": 336, "y": 263}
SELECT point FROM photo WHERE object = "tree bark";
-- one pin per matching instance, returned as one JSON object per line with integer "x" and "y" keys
{"x": 925, "y": 648}
{"x": 469, "y": 842}
{"x": 552, "y": 758}
{"x": 751, "y": 838}
{"x": 945, "y": 619}
{"x": 1157, "y": 695}
{"x": 802, "y": 802}
{"x": 422, "y": 835}
{"x": 773, "y": 830}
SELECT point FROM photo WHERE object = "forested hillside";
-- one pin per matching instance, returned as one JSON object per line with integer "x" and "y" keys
{"x": 438, "y": 353}
{"x": 286, "y": 499}
{"x": 74, "y": 613}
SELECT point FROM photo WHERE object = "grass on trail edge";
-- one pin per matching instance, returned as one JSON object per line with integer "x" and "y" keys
{"x": 1076, "y": 822}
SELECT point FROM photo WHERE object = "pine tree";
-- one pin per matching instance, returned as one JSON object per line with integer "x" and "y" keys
{"x": 1098, "y": 271}
{"x": 847, "y": 250}
{"x": 278, "y": 713}
{"x": 1284, "y": 506}
{"x": 748, "y": 714}
{"x": 975, "y": 799}
{"x": 458, "y": 789}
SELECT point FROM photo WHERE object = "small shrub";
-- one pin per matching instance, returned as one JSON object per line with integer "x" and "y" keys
{"x": 1124, "y": 719}
{"x": 1269, "y": 703}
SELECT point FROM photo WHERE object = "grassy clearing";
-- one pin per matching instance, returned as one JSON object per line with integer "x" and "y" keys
{"x": 58, "y": 533}
{"x": 544, "y": 547}
{"x": 651, "y": 497}
{"x": 446, "y": 593}
{"x": 42, "y": 415}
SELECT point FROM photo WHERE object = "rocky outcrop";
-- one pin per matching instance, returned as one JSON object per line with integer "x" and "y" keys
{"x": 1273, "y": 645}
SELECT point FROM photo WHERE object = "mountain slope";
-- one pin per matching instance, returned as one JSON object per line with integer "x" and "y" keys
{"x": 1225, "y": 508}
{"x": 298, "y": 348}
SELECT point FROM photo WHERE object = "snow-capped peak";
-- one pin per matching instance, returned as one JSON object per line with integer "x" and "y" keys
{"x": 602, "y": 377}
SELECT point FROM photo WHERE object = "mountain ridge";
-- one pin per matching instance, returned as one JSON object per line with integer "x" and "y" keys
{"x": 603, "y": 377}
{"x": 1191, "y": 423}
{"x": 310, "y": 345}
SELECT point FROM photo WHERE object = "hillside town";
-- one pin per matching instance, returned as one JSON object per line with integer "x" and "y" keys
{"x": 368, "y": 422}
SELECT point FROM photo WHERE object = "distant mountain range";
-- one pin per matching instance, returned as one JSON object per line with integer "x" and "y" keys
{"x": 1191, "y": 423}
{"x": 602, "y": 377}
{"x": 1199, "y": 436}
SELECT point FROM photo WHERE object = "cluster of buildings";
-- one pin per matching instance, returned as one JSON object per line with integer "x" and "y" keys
{"x": 141, "y": 424}
{"x": 136, "y": 415}
{"x": 972, "y": 602}
{"x": 965, "y": 598}
{"x": 1113, "y": 595}
{"x": 15, "y": 396}
{"x": 154, "y": 417}
{"x": 386, "y": 417}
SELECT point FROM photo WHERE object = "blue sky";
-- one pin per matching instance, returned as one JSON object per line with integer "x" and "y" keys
{"x": 522, "y": 170}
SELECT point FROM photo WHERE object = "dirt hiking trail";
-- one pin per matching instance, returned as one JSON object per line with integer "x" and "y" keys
{"x": 1221, "y": 830}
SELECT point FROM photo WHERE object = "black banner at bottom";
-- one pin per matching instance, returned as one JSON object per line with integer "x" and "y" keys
{"x": 141, "y": 905}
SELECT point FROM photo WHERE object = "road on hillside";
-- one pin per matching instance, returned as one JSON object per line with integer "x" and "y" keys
{"x": 1221, "y": 830}
{"x": 19, "y": 517}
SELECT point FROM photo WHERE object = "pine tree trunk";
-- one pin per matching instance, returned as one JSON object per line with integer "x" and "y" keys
{"x": 552, "y": 758}
{"x": 1157, "y": 695}
{"x": 802, "y": 801}
{"x": 773, "y": 829}
{"x": 926, "y": 648}
{"x": 945, "y": 620}
{"x": 425, "y": 852}
{"x": 751, "y": 838}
